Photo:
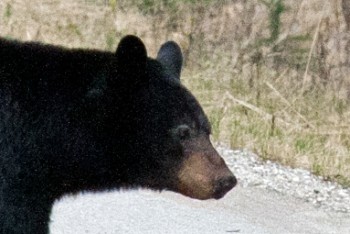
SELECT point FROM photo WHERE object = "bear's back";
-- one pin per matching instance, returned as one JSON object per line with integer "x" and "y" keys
{"x": 32, "y": 69}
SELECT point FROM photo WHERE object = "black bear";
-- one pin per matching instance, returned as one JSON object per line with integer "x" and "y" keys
{"x": 84, "y": 120}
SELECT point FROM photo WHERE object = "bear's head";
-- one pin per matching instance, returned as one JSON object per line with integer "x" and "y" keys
{"x": 160, "y": 129}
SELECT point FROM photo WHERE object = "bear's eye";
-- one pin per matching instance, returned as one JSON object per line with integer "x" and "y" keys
{"x": 183, "y": 132}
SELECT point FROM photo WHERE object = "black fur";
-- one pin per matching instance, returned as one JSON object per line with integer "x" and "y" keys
{"x": 83, "y": 120}
{"x": 170, "y": 57}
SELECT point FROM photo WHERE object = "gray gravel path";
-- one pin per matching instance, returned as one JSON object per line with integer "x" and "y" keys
{"x": 270, "y": 199}
{"x": 298, "y": 183}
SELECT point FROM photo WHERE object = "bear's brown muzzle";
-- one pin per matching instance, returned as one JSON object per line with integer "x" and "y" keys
{"x": 204, "y": 174}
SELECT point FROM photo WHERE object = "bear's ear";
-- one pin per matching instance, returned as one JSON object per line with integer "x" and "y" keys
{"x": 131, "y": 56}
{"x": 170, "y": 56}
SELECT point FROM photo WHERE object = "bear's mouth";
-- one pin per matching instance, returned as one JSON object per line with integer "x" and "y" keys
{"x": 205, "y": 191}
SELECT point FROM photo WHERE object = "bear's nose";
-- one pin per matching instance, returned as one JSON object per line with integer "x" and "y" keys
{"x": 223, "y": 185}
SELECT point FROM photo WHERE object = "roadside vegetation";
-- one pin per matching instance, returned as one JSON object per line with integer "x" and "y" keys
{"x": 273, "y": 75}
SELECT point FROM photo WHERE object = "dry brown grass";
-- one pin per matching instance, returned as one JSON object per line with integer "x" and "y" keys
{"x": 288, "y": 100}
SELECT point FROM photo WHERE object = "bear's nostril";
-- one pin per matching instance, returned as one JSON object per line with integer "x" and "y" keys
{"x": 227, "y": 183}
{"x": 233, "y": 181}
{"x": 223, "y": 185}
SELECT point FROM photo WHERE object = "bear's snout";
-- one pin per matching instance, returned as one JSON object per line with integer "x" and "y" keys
{"x": 204, "y": 174}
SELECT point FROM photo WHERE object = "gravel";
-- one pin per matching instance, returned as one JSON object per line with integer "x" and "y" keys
{"x": 251, "y": 171}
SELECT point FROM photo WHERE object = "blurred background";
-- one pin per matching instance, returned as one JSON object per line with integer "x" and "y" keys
{"x": 272, "y": 75}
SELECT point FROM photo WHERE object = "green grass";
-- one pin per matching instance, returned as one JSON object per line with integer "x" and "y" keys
{"x": 8, "y": 11}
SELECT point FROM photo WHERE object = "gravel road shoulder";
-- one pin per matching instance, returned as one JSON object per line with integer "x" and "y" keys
{"x": 253, "y": 172}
